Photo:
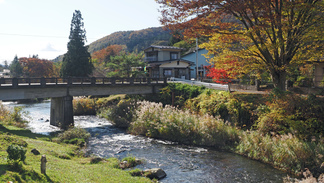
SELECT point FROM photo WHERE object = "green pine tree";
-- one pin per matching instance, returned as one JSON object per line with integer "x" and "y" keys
{"x": 77, "y": 60}
{"x": 16, "y": 69}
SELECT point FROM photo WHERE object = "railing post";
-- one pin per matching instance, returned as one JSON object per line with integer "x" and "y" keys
{"x": 69, "y": 81}
{"x": 148, "y": 80}
{"x": 43, "y": 82}
{"x": 257, "y": 84}
{"x": 93, "y": 81}
{"x": 131, "y": 81}
{"x": 165, "y": 80}
{"x": 113, "y": 81}
{"x": 15, "y": 82}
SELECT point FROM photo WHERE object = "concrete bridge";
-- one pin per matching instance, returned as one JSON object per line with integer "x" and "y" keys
{"x": 61, "y": 91}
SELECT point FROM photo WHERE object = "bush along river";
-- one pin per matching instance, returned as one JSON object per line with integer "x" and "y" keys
{"x": 181, "y": 163}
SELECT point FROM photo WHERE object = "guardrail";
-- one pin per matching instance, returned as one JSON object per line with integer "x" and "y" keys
{"x": 77, "y": 81}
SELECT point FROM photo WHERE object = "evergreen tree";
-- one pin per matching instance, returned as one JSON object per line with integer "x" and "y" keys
{"x": 16, "y": 69}
{"x": 77, "y": 60}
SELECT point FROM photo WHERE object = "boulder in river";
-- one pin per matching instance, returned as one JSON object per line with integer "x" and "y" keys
{"x": 155, "y": 173}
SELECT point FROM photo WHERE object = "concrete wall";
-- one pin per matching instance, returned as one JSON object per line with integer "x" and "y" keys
{"x": 62, "y": 112}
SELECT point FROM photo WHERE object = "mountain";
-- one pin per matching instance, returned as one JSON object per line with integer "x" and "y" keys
{"x": 134, "y": 40}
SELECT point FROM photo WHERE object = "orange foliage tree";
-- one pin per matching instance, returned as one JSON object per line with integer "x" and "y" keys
{"x": 103, "y": 56}
{"x": 35, "y": 67}
{"x": 266, "y": 35}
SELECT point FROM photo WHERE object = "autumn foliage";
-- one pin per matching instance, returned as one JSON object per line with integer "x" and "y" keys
{"x": 103, "y": 56}
{"x": 222, "y": 75}
{"x": 270, "y": 36}
{"x": 35, "y": 67}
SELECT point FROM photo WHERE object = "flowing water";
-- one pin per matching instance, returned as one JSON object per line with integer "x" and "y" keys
{"x": 181, "y": 163}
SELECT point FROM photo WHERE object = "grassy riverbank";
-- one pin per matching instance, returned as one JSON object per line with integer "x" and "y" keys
{"x": 65, "y": 162}
{"x": 282, "y": 129}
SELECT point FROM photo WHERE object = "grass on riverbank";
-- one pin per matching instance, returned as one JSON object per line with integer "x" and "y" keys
{"x": 65, "y": 162}
{"x": 59, "y": 169}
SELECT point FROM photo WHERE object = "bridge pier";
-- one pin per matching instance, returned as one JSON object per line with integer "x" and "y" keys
{"x": 62, "y": 112}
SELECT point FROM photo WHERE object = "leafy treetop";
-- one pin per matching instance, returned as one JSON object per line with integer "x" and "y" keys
{"x": 271, "y": 36}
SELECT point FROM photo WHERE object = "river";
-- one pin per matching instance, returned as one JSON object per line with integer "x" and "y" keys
{"x": 181, "y": 163}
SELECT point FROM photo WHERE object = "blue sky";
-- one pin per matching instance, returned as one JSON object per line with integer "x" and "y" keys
{"x": 42, "y": 27}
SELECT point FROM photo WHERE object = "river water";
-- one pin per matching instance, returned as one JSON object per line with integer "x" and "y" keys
{"x": 181, "y": 163}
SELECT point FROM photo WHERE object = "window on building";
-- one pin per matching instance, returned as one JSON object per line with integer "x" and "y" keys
{"x": 167, "y": 72}
{"x": 151, "y": 56}
{"x": 174, "y": 55}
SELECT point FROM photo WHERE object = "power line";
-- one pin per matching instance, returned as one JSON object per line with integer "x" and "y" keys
{"x": 29, "y": 35}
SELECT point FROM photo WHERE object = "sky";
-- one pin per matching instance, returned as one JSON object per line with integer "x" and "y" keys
{"x": 42, "y": 27}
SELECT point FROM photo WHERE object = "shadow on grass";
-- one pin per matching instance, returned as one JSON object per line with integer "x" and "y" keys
{"x": 23, "y": 133}
{"x": 3, "y": 169}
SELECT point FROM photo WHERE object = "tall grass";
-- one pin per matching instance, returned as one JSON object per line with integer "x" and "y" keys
{"x": 170, "y": 123}
{"x": 14, "y": 117}
{"x": 286, "y": 152}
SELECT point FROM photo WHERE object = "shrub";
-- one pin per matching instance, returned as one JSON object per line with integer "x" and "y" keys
{"x": 122, "y": 114}
{"x": 84, "y": 106}
{"x": 109, "y": 101}
{"x": 74, "y": 135}
{"x": 289, "y": 113}
{"x": 228, "y": 106}
{"x": 182, "y": 92}
{"x": 16, "y": 154}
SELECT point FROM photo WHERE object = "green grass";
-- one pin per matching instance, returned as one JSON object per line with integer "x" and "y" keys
{"x": 58, "y": 169}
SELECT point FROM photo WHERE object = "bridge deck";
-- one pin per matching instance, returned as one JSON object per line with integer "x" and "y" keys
{"x": 57, "y": 82}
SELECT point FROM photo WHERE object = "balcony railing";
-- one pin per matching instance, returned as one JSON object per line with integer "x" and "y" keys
{"x": 151, "y": 59}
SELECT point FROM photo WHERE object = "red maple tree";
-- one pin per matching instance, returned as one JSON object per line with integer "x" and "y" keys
{"x": 222, "y": 75}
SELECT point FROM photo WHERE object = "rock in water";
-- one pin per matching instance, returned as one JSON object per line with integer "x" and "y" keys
{"x": 156, "y": 173}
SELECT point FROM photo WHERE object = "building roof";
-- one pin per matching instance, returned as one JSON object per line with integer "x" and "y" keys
{"x": 164, "y": 47}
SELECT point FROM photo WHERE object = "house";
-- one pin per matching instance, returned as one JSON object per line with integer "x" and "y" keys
{"x": 319, "y": 74}
{"x": 202, "y": 62}
{"x": 165, "y": 61}
{"x": 5, "y": 73}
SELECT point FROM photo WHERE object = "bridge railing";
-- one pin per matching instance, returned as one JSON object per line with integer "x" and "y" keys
{"x": 77, "y": 81}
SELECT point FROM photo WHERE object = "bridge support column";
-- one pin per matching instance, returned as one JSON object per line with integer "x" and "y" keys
{"x": 62, "y": 112}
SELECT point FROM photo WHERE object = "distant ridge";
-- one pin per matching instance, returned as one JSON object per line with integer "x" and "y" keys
{"x": 134, "y": 40}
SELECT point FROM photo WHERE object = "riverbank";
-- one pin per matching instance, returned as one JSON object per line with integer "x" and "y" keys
{"x": 281, "y": 129}
{"x": 182, "y": 163}
{"x": 65, "y": 162}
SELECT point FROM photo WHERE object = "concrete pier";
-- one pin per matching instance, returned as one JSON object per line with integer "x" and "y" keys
{"x": 62, "y": 112}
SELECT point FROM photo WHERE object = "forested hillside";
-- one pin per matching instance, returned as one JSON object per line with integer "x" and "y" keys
{"x": 134, "y": 40}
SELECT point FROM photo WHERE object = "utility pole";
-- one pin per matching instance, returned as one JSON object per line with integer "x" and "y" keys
{"x": 197, "y": 76}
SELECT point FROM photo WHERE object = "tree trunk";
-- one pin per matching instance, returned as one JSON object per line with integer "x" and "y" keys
{"x": 279, "y": 79}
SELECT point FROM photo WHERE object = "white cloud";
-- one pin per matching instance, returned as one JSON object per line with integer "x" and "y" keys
{"x": 49, "y": 47}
